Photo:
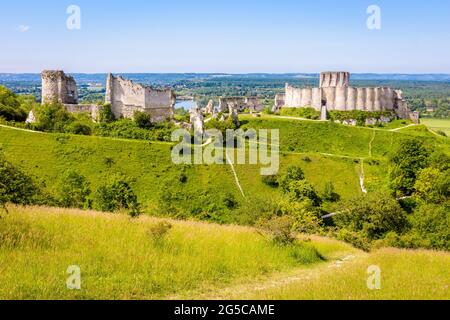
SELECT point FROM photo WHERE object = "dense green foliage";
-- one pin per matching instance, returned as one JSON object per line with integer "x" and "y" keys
{"x": 12, "y": 106}
{"x": 117, "y": 195}
{"x": 74, "y": 190}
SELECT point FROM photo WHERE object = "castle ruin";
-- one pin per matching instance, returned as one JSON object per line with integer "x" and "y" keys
{"x": 253, "y": 104}
{"x": 125, "y": 98}
{"x": 335, "y": 93}
{"x": 58, "y": 87}
{"x": 62, "y": 88}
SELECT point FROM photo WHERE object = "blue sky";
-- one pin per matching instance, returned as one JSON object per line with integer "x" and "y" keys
{"x": 225, "y": 36}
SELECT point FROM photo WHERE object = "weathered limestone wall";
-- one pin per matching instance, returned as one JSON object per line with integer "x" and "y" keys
{"x": 334, "y": 79}
{"x": 239, "y": 104}
{"x": 341, "y": 98}
{"x": 279, "y": 102}
{"x": 91, "y": 109}
{"x": 126, "y": 97}
{"x": 57, "y": 86}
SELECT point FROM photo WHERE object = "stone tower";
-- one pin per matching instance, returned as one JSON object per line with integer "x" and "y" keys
{"x": 334, "y": 79}
{"x": 57, "y": 86}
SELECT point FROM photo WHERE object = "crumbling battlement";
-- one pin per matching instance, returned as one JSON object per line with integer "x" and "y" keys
{"x": 126, "y": 97}
{"x": 253, "y": 104}
{"x": 57, "y": 86}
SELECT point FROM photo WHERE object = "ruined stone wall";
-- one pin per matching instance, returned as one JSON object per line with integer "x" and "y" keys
{"x": 57, "y": 86}
{"x": 126, "y": 97}
{"x": 91, "y": 109}
{"x": 302, "y": 97}
{"x": 239, "y": 104}
{"x": 334, "y": 79}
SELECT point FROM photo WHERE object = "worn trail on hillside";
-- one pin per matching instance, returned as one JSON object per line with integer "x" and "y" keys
{"x": 305, "y": 273}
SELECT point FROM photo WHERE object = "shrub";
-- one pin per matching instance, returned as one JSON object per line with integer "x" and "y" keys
{"x": 158, "y": 231}
{"x": 293, "y": 173}
{"x": 229, "y": 201}
{"x": 270, "y": 180}
{"x": 307, "y": 216}
{"x": 79, "y": 127}
{"x": 105, "y": 114}
{"x": 52, "y": 117}
{"x": 74, "y": 190}
{"x": 142, "y": 119}
{"x": 115, "y": 196}
{"x": 15, "y": 186}
{"x": 300, "y": 190}
{"x": 308, "y": 113}
{"x": 372, "y": 216}
{"x": 279, "y": 229}
{"x": 328, "y": 193}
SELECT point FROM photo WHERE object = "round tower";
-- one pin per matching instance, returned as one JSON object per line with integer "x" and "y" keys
{"x": 334, "y": 79}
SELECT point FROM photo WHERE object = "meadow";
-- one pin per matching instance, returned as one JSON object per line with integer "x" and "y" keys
{"x": 124, "y": 258}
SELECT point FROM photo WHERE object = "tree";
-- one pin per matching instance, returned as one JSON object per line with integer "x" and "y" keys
{"x": 74, "y": 190}
{"x": 433, "y": 185}
{"x": 405, "y": 163}
{"x": 142, "y": 119}
{"x": 293, "y": 173}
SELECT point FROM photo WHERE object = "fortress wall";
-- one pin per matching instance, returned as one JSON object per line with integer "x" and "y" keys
{"x": 369, "y": 99}
{"x": 126, "y": 98}
{"x": 351, "y": 98}
{"x": 341, "y": 99}
{"x": 317, "y": 98}
{"x": 329, "y": 94}
{"x": 306, "y": 97}
{"x": 389, "y": 98}
{"x": 360, "y": 99}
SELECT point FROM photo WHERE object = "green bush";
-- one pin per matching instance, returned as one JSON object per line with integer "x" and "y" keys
{"x": 372, "y": 216}
{"x": 158, "y": 231}
{"x": 279, "y": 229}
{"x": 271, "y": 180}
{"x": 105, "y": 114}
{"x": 293, "y": 173}
{"x": 74, "y": 190}
{"x": 301, "y": 190}
{"x": 52, "y": 117}
{"x": 329, "y": 194}
{"x": 142, "y": 119}
{"x": 433, "y": 185}
{"x": 115, "y": 196}
{"x": 11, "y": 106}
{"x": 79, "y": 127}
{"x": 15, "y": 186}
{"x": 307, "y": 113}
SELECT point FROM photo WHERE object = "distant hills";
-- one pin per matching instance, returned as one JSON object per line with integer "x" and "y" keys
{"x": 167, "y": 78}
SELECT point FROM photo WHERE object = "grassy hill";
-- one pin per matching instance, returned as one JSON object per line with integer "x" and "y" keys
{"x": 327, "y": 152}
{"x": 123, "y": 258}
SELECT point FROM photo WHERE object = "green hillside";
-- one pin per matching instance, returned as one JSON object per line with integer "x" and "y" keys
{"x": 325, "y": 151}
